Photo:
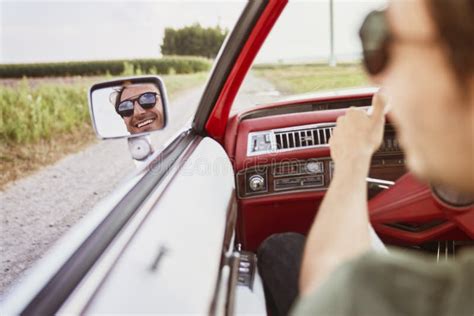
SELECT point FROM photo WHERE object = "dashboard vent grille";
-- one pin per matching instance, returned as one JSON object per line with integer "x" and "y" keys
{"x": 309, "y": 137}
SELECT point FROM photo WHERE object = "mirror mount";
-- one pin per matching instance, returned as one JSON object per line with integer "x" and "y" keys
{"x": 140, "y": 148}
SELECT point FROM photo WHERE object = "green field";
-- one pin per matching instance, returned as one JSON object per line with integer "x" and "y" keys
{"x": 28, "y": 115}
{"x": 302, "y": 78}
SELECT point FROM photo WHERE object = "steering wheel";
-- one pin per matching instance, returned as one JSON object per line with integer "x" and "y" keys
{"x": 412, "y": 212}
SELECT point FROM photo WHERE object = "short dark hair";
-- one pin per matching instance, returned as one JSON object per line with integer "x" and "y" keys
{"x": 454, "y": 20}
{"x": 119, "y": 91}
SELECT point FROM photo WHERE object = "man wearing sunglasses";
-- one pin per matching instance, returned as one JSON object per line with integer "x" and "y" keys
{"x": 140, "y": 107}
{"x": 421, "y": 52}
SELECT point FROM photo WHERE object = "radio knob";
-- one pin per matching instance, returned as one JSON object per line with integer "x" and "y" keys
{"x": 256, "y": 182}
{"x": 313, "y": 167}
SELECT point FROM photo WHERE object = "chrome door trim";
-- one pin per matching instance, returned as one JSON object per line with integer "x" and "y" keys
{"x": 233, "y": 263}
{"x": 220, "y": 296}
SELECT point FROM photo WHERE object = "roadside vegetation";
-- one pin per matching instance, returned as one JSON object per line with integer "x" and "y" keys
{"x": 44, "y": 119}
{"x": 161, "y": 66}
{"x": 302, "y": 78}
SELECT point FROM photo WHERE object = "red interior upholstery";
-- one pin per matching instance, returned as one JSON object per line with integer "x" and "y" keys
{"x": 409, "y": 201}
{"x": 261, "y": 217}
{"x": 412, "y": 202}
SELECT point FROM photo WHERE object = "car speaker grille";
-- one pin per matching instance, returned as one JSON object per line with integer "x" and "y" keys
{"x": 309, "y": 137}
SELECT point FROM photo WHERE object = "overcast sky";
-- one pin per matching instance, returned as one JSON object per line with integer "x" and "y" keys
{"x": 32, "y": 31}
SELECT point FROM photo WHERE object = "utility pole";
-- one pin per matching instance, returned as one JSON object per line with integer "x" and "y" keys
{"x": 332, "y": 58}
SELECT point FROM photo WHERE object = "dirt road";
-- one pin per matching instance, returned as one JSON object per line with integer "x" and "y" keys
{"x": 37, "y": 210}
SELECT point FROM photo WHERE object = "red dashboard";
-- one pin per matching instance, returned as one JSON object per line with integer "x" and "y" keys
{"x": 283, "y": 167}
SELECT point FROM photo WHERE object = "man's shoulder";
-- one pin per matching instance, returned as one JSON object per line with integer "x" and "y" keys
{"x": 393, "y": 284}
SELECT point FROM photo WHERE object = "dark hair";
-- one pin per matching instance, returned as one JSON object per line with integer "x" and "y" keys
{"x": 454, "y": 20}
{"x": 120, "y": 90}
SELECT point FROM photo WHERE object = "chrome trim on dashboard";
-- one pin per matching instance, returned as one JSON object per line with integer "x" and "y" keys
{"x": 383, "y": 184}
{"x": 300, "y": 163}
{"x": 266, "y": 167}
{"x": 268, "y": 171}
{"x": 319, "y": 185}
{"x": 273, "y": 142}
{"x": 256, "y": 192}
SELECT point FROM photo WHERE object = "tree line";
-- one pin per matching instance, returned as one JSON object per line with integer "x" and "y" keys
{"x": 193, "y": 40}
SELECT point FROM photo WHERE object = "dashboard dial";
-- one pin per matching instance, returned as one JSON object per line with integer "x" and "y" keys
{"x": 256, "y": 183}
{"x": 314, "y": 167}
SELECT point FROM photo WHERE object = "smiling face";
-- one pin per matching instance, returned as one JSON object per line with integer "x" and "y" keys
{"x": 433, "y": 114}
{"x": 143, "y": 120}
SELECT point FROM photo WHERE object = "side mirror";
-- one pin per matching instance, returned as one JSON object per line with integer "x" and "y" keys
{"x": 128, "y": 107}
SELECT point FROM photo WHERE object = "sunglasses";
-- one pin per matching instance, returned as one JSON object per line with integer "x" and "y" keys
{"x": 146, "y": 100}
{"x": 375, "y": 36}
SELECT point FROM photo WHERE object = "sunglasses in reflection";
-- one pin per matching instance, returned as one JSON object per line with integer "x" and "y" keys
{"x": 376, "y": 38}
{"x": 146, "y": 100}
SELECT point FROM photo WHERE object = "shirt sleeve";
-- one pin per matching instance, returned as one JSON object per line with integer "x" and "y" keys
{"x": 394, "y": 284}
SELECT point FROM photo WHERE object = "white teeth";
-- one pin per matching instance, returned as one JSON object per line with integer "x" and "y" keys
{"x": 141, "y": 124}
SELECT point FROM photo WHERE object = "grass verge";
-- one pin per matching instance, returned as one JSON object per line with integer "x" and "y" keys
{"x": 303, "y": 78}
{"x": 42, "y": 121}
{"x": 17, "y": 161}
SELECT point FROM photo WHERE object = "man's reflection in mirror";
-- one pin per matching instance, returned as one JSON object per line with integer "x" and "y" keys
{"x": 140, "y": 107}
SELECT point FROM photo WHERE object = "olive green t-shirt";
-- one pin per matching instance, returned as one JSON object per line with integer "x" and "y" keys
{"x": 396, "y": 283}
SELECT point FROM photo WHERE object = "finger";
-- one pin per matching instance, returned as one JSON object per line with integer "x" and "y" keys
{"x": 378, "y": 108}
{"x": 331, "y": 141}
{"x": 340, "y": 119}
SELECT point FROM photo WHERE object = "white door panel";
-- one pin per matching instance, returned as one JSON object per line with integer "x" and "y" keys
{"x": 189, "y": 222}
